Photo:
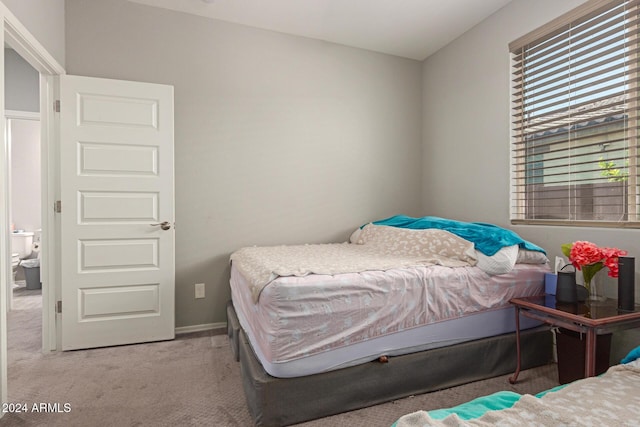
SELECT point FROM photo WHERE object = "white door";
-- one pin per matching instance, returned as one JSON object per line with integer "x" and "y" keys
{"x": 116, "y": 183}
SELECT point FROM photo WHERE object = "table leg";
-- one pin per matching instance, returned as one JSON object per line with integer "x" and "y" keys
{"x": 590, "y": 354}
{"x": 514, "y": 377}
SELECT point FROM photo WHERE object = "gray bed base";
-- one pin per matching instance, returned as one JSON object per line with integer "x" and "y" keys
{"x": 285, "y": 401}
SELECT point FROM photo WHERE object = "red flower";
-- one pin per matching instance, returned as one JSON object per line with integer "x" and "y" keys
{"x": 611, "y": 259}
{"x": 590, "y": 258}
{"x": 585, "y": 253}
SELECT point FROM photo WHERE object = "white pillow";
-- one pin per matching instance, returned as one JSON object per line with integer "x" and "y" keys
{"x": 526, "y": 256}
{"x": 499, "y": 263}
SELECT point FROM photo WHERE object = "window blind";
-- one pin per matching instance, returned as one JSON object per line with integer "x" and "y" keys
{"x": 575, "y": 118}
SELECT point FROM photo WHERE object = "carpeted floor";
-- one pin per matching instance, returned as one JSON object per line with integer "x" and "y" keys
{"x": 190, "y": 381}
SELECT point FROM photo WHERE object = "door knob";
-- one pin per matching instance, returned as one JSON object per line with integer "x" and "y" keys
{"x": 164, "y": 225}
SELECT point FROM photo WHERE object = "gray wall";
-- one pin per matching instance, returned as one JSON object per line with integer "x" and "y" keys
{"x": 466, "y": 123}
{"x": 466, "y": 131}
{"x": 21, "y": 84}
{"x": 45, "y": 21}
{"x": 466, "y": 115}
{"x": 278, "y": 139}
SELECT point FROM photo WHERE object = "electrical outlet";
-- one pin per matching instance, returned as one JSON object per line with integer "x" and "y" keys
{"x": 199, "y": 290}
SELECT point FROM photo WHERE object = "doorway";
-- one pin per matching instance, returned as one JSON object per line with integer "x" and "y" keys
{"x": 23, "y": 144}
{"x": 23, "y": 147}
{"x": 17, "y": 37}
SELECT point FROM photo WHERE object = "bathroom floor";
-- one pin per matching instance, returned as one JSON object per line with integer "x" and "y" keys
{"x": 26, "y": 299}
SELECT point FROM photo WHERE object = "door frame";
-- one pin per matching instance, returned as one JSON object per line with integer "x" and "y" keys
{"x": 15, "y": 35}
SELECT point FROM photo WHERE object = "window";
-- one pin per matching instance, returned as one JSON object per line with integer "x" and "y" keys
{"x": 575, "y": 118}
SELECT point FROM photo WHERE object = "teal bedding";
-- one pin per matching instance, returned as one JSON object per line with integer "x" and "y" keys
{"x": 501, "y": 400}
{"x": 478, "y": 407}
{"x": 488, "y": 238}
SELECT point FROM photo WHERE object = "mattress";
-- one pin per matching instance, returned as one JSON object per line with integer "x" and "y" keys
{"x": 318, "y": 323}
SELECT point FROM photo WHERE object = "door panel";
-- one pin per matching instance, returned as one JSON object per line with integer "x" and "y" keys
{"x": 118, "y": 254}
{"x": 114, "y": 159}
{"x": 117, "y": 111}
{"x": 117, "y": 207}
{"x": 105, "y": 303}
{"x": 117, "y": 262}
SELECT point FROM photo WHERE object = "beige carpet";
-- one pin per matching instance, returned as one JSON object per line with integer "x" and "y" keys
{"x": 191, "y": 381}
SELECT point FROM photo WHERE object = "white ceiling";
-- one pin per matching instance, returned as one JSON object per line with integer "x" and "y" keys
{"x": 409, "y": 28}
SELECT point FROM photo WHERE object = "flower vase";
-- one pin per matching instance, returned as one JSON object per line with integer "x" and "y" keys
{"x": 595, "y": 287}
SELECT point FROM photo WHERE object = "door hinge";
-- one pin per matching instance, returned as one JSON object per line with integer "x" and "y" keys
{"x": 59, "y": 307}
{"x": 56, "y": 106}
{"x": 57, "y": 206}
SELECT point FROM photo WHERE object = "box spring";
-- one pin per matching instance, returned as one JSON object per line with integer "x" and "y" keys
{"x": 285, "y": 401}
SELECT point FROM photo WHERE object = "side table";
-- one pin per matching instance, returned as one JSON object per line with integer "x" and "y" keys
{"x": 588, "y": 318}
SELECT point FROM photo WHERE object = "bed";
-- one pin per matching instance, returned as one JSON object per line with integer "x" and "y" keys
{"x": 610, "y": 399}
{"x": 307, "y": 321}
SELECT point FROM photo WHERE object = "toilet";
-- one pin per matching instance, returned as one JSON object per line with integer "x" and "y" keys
{"x": 21, "y": 247}
{"x": 22, "y": 243}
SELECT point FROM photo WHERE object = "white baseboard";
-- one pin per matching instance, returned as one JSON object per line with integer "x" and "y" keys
{"x": 199, "y": 328}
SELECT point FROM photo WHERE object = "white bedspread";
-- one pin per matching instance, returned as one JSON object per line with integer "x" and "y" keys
{"x": 379, "y": 248}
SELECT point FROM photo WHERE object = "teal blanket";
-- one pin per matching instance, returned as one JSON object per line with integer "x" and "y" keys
{"x": 478, "y": 407}
{"x": 488, "y": 238}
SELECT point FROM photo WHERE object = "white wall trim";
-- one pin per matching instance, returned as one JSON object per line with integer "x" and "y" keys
{"x": 27, "y": 46}
{"x": 49, "y": 171}
{"x": 200, "y": 328}
{"x": 5, "y": 273}
{"x": 21, "y": 115}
